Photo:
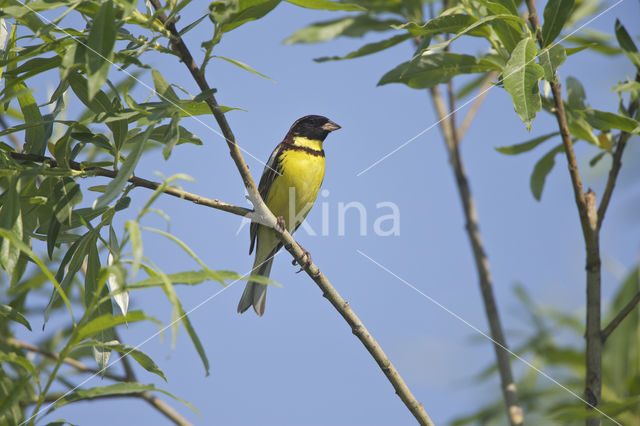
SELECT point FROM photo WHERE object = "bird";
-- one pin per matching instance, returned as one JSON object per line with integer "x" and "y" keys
{"x": 289, "y": 186}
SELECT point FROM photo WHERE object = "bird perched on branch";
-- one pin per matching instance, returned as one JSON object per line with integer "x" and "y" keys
{"x": 289, "y": 186}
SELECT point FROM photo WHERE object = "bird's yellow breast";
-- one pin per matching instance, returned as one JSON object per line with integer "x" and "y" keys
{"x": 294, "y": 191}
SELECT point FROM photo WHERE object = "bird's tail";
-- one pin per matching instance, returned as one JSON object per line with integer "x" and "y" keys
{"x": 255, "y": 293}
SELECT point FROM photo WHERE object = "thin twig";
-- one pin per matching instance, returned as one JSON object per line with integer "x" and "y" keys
{"x": 289, "y": 243}
{"x": 621, "y": 316}
{"x": 160, "y": 405}
{"x": 586, "y": 204}
{"x": 477, "y": 103}
{"x": 452, "y": 141}
{"x": 617, "y": 163}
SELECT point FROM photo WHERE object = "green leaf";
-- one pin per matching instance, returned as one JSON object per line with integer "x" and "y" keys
{"x": 115, "y": 389}
{"x": 236, "y": 13}
{"x": 99, "y": 51}
{"x": 11, "y": 220}
{"x": 521, "y": 77}
{"x": 10, "y": 313}
{"x": 575, "y": 94}
{"x": 35, "y": 135}
{"x": 163, "y": 89}
{"x": 525, "y": 146}
{"x": 368, "y": 49}
{"x": 62, "y": 149}
{"x": 94, "y": 289}
{"x": 605, "y": 121}
{"x": 327, "y": 5}
{"x": 556, "y": 13}
{"x": 626, "y": 43}
{"x": 475, "y": 28}
{"x": 160, "y": 133}
{"x": 136, "y": 245}
{"x": 453, "y": 23}
{"x": 430, "y": 69}
{"x": 551, "y": 59}
{"x": 66, "y": 194}
{"x": 172, "y": 136}
{"x": 17, "y": 241}
{"x": 540, "y": 171}
{"x": 114, "y": 188}
{"x": 107, "y": 321}
{"x": 141, "y": 358}
{"x": 350, "y": 26}
{"x": 245, "y": 67}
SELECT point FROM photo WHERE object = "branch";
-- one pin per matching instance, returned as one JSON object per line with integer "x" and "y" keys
{"x": 621, "y": 316}
{"x": 477, "y": 103}
{"x": 160, "y": 405}
{"x": 452, "y": 141}
{"x": 289, "y": 243}
{"x": 617, "y": 163}
{"x": 586, "y": 204}
{"x": 143, "y": 183}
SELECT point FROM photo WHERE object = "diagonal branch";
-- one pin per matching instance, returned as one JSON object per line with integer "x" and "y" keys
{"x": 160, "y": 405}
{"x": 477, "y": 103}
{"x": 621, "y": 316}
{"x": 452, "y": 142}
{"x": 266, "y": 216}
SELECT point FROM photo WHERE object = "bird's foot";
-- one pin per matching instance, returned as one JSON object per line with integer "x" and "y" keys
{"x": 306, "y": 256}
{"x": 281, "y": 226}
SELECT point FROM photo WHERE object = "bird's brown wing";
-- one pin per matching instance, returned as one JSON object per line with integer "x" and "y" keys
{"x": 271, "y": 171}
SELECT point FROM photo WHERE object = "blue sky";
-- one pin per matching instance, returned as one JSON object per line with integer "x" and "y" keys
{"x": 300, "y": 364}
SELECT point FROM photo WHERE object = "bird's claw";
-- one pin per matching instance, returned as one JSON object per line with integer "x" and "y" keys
{"x": 306, "y": 262}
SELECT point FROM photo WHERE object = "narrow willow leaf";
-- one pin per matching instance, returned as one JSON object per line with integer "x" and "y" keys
{"x": 10, "y": 313}
{"x": 11, "y": 220}
{"x": 551, "y": 59}
{"x": 4, "y": 233}
{"x": 521, "y": 77}
{"x": 116, "y": 283}
{"x": 245, "y": 67}
{"x": 555, "y": 15}
{"x": 430, "y": 69}
{"x": 163, "y": 88}
{"x": 576, "y": 96}
{"x": 140, "y": 357}
{"x": 136, "y": 245}
{"x": 603, "y": 120}
{"x": 114, "y": 188}
{"x": 525, "y": 146}
{"x": 104, "y": 322}
{"x": 540, "y": 171}
{"x": 579, "y": 127}
{"x": 476, "y": 29}
{"x": 350, "y": 26}
{"x": 172, "y": 137}
{"x": 160, "y": 132}
{"x": 62, "y": 149}
{"x": 453, "y": 23}
{"x": 240, "y": 13}
{"x": 368, "y": 49}
{"x": 99, "y": 51}
{"x": 327, "y": 5}
{"x": 187, "y": 277}
{"x": 35, "y": 139}
{"x": 94, "y": 290}
{"x": 626, "y": 43}
{"x": 52, "y": 236}
{"x": 66, "y": 194}
{"x": 596, "y": 158}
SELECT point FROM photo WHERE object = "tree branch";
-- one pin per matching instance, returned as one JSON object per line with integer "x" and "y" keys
{"x": 586, "y": 204}
{"x": 289, "y": 243}
{"x": 621, "y": 316}
{"x": 143, "y": 183}
{"x": 452, "y": 141}
{"x": 160, "y": 405}
{"x": 477, "y": 103}
{"x": 617, "y": 163}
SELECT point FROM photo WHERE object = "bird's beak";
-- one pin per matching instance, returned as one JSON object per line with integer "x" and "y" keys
{"x": 330, "y": 126}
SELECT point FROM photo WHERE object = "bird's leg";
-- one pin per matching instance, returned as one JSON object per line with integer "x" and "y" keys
{"x": 306, "y": 262}
{"x": 281, "y": 226}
